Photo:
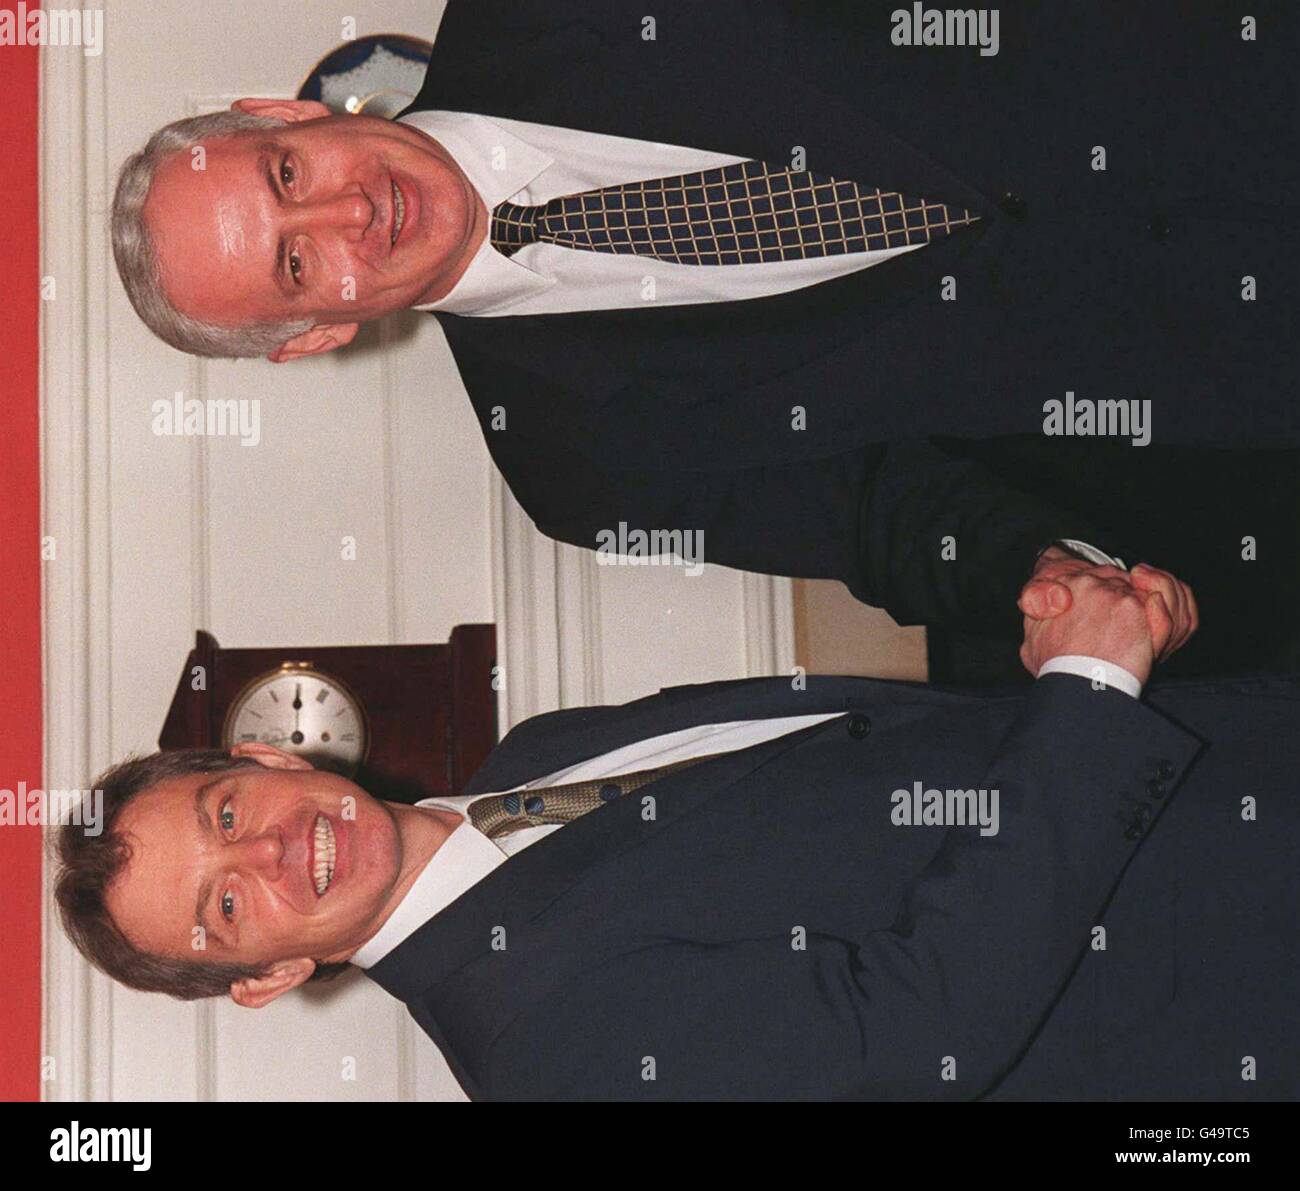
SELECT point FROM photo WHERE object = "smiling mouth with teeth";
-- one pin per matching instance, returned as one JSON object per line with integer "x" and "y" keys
{"x": 399, "y": 213}
{"x": 323, "y": 855}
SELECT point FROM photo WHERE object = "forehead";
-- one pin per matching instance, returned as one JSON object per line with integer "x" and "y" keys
{"x": 213, "y": 227}
{"x": 152, "y": 899}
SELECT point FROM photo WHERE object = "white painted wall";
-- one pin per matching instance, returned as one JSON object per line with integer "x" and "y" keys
{"x": 158, "y": 537}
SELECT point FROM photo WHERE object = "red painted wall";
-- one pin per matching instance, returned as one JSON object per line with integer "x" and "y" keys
{"x": 20, "y": 588}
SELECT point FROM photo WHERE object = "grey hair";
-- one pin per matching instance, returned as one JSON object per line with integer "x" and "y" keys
{"x": 137, "y": 257}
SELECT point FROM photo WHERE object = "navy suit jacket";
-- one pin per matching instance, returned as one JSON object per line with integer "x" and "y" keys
{"x": 1116, "y": 284}
{"x": 765, "y": 930}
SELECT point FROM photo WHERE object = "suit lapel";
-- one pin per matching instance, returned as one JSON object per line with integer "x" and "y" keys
{"x": 548, "y": 743}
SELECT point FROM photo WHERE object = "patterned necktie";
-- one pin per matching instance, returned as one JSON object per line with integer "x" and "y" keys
{"x": 500, "y": 814}
{"x": 746, "y": 213}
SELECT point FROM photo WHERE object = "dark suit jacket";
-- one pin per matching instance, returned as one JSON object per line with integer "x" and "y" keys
{"x": 672, "y": 938}
{"x": 1122, "y": 284}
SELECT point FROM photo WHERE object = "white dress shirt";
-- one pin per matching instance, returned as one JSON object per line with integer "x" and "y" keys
{"x": 534, "y": 163}
{"x": 467, "y": 855}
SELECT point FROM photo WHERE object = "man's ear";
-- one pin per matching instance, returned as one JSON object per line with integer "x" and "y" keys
{"x": 315, "y": 342}
{"x": 270, "y": 756}
{"x": 292, "y": 110}
{"x": 257, "y": 991}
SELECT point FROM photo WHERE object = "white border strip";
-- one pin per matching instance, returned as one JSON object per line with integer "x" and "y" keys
{"x": 77, "y": 1004}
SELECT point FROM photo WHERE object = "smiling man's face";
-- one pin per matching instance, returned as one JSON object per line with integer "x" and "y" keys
{"x": 277, "y": 863}
{"x": 335, "y": 219}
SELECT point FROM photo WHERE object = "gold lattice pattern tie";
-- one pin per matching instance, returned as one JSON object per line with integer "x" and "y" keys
{"x": 500, "y": 814}
{"x": 746, "y": 213}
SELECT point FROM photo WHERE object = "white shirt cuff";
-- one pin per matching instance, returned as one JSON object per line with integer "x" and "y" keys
{"x": 1089, "y": 552}
{"x": 1101, "y": 674}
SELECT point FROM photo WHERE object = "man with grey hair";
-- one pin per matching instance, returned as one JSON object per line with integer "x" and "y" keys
{"x": 136, "y": 253}
{"x": 735, "y": 293}
{"x": 220, "y": 255}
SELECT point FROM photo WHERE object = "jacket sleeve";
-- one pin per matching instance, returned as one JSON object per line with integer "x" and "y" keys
{"x": 930, "y": 537}
{"x": 945, "y": 541}
{"x": 939, "y": 1004}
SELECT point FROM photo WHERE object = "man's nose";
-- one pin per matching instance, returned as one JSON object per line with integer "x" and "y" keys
{"x": 262, "y": 853}
{"x": 351, "y": 211}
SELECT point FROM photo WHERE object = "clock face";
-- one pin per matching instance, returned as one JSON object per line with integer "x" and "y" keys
{"x": 302, "y": 711}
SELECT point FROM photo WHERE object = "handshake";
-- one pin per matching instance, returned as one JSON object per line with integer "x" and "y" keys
{"x": 1131, "y": 619}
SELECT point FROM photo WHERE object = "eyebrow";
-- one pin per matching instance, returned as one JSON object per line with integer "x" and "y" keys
{"x": 266, "y": 151}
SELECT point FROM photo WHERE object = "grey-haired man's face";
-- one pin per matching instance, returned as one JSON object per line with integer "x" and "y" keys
{"x": 334, "y": 219}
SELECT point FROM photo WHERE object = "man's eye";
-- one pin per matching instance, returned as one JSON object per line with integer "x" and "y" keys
{"x": 295, "y": 266}
{"x": 287, "y": 173}
{"x": 228, "y": 906}
{"x": 226, "y": 818}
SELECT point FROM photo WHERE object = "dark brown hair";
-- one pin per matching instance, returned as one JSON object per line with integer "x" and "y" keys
{"x": 88, "y": 865}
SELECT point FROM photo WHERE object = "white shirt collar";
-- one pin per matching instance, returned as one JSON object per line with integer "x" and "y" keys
{"x": 497, "y": 165}
{"x": 465, "y": 858}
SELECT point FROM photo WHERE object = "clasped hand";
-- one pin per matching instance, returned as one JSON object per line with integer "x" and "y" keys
{"x": 1131, "y": 619}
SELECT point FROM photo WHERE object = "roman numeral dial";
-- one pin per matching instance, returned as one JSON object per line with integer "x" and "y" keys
{"x": 304, "y": 711}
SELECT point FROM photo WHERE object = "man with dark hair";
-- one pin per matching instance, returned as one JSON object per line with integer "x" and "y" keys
{"x": 89, "y": 864}
{"x": 728, "y": 269}
{"x": 765, "y": 889}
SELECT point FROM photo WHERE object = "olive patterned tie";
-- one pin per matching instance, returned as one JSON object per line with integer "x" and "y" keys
{"x": 499, "y": 814}
{"x": 746, "y": 213}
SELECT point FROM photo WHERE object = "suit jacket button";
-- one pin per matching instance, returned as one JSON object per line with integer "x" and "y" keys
{"x": 1156, "y": 788}
{"x": 1014, "y": 206}
{"x": 1165, "y": 770}
{"x": 859, "y": 726}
